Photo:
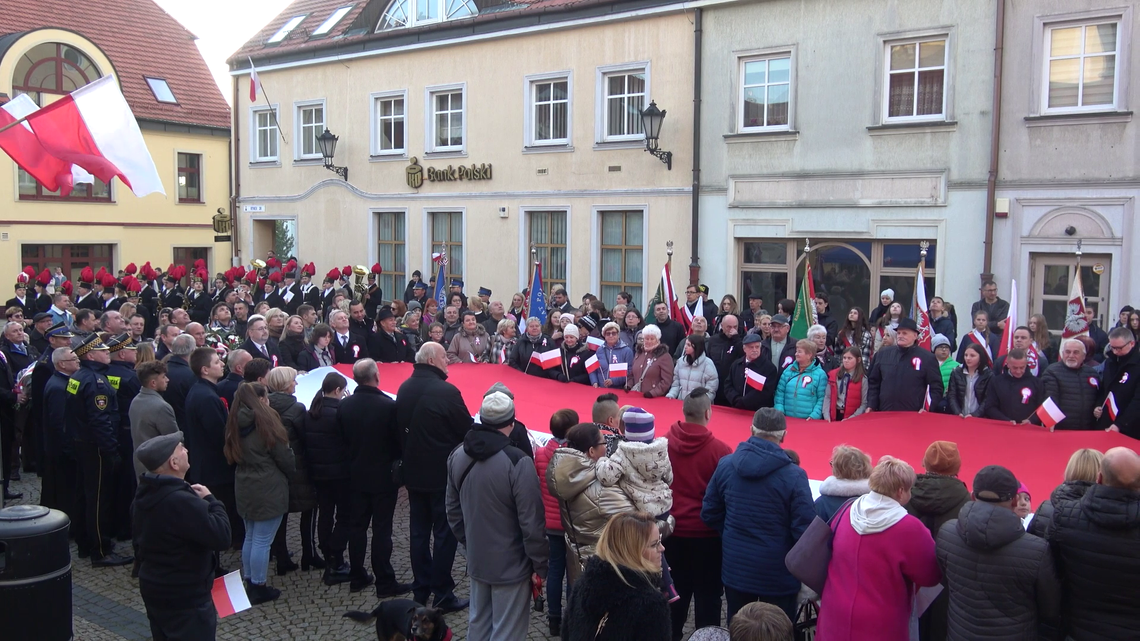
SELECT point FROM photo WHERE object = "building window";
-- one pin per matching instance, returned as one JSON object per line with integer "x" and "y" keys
{"x": 916, "y": 80}
{"x": 548, "y": 237}
{"x": 285, "y": 30}
{"x": 392, "y": 253}
{"x": 1081, "y": 63}
{"x": 447, "y": 237}
{"x": 765, "y": 85}
{"x": 389, "y": 125}
{"x": 550, "y": 111}
{"x": 96, "y": 191}
{"x": 332, "y": 20}
{"x": 264, "y": 135}
{"x": 161, "y": 90}
{"x": 624, "y": 95}
{"x": 186, "y": 256}
{"x": 621, "y": 249}
{"x": 410, "y": 13}
{"x": 189, "y": 178}
{"x": 446, "y": 122}
{"x": 310, "y": 124}
{"x": 70, "y": 258}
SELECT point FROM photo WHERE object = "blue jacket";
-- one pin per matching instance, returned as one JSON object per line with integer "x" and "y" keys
{"x": 760, "y": 503}
{"x": 607, "y": 355}
{"x": 800, "y": 394}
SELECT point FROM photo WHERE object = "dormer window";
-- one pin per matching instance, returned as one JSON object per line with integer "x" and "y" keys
{"x": 284, "y": 32}
{"x": 413, "y": 13}
{"x": 336, "y": 16}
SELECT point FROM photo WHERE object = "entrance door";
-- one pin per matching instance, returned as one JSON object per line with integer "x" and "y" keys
{"x": 1053, "y": 282}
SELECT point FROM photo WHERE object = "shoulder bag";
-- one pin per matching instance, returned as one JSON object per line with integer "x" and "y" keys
{"x": 809, "y": 557}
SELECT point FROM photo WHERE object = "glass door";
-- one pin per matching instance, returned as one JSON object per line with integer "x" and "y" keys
{"x": 1053, "y": 282}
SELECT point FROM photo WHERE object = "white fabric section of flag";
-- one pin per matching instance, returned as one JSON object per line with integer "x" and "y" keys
{"x": 920, "y": 312}
{"x": 1075, "y": 323}
{"x": 23, "y": 106}
{"x": 594, "y": 342}
{"x": 592, "y": 364}
{"x": 229, "y": 595}
{"x": 254, "y": 82}
{"x": 755, "y": 380}
{"x": 1050, "y": 414}
{"x": 1010, "y": 321}
{"x": 620, "y": 369}
{"x": 1110, "y": 404}
{"x": 926, "y": 400}
{"x": 546, "y": 360}
{"x": 115, "y": 131}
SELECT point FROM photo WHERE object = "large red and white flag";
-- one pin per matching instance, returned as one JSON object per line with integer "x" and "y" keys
{"x": 668, "y": 295}
{"x": 1075, "y": 323}
{"x": 21, "y": 144}
{"x": 93, "y": 127}
{"x": 546, "y": 360}
{"x": 254, "y": 82}
{"x": 1010, "y": 322}
{"x": 229, "y": 595}
{"x": 755, "y": 380}
{"x": 1050, "y": 414}
{"x": 919, "y": 310}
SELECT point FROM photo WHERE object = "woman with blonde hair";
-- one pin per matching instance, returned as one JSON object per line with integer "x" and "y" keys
{"x": 292, "y": 341}
{"x": 880, "y": 556}
{"x": 850, "y": 474}
{"x": 617, "y": 596}
{"x": 258, "y": 445}
{"x": 275, "y": 322}
{"x": 1080, "y": 474}
{"x": 282, "y": 384}
{"x": 144, "y": 353}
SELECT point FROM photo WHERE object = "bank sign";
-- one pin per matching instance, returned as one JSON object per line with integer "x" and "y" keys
{"x": 416, "y": 174}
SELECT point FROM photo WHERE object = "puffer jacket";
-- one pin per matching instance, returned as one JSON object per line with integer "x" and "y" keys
{"x": 585, "y": 504}
{"x": 261, "y": 481}
{"x": 1043, "y": 517}
{"x": 956, "y": 393}
{"x": 935, "y": 499}
{"x": 470, "y": 347}
{"x": 620, "y": 353}
{"x": 542, "y": 458}
{"x": 686, "y": 377}
{"x": 1075, "y": 393}
{"x": 833, "y": 493}
{"x": 800, "y": 392}
{"x": 522, "y": 350}
{"x": 651, "y": 372}
{"x": 1001, "y": 580}
{"x": 326, "y": 452}
{"x": 1094, "y": 541}
{"x": 302, "y": 494}
{"x": 643, "y": 472}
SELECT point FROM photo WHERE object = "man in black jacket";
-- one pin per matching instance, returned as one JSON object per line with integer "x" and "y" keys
{"x": 903, "y": 376}
{"x": 236, "y": 361}
{"x": 181, "y": 377}
{"x": 672, "y": 332}
{"x": 1121, "y": 379}
{"x": 367, "y": 419}
{"x": 257, "y": 341}
{"x": 348, "y": 345}
{"x": 725, "y": 348}
{"x": 1093, "y": 538}
{"x": 205, "y": 430}
{"x": 388, "y": 344}
{"x": 1001, "y": 580}
{"x": 1014, "y": 394}
{"x": 751, "y": 391}
{"x": 432, "y": 420}
{"x": 1073, "y": 386}
{"x": 178, "y": 529}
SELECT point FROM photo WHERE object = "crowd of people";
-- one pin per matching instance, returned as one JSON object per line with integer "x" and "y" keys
{"x": 168, "y": 417}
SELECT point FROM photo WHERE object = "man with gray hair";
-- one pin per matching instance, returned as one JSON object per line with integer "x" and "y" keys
{"x": 198, "y": 331}
{"x": 181, "y": 378}
{"x": 235, "y": 363}
{"x": 112, "y": 322}
{"x": 166, "y": 336}
{"x": 760, "y": 503}
{"x": 1073, "y": 386}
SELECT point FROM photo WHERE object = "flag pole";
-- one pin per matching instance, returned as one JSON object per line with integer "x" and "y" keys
{"x": 533, "y": 262}
{"x": 668, "y": 268}
{"x": 14, "y": 123}
{"x": 267, "y": 103}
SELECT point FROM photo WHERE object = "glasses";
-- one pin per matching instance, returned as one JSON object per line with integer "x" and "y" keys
{"x": 1122, "y": 347}
{"x": 600, "y": 444}
{"x": 610, "y": 332}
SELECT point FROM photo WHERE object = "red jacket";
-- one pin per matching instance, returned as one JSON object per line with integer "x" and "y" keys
{"x": 854, "y": 394}
{"x": 549, "y": 502}
{"x": 694, "y": 453}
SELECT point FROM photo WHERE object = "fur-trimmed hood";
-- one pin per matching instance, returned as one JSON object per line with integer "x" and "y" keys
{"x": 832, "y": 486}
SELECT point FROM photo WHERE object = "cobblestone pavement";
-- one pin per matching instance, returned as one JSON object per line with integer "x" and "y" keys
{"x": 107, "y": 606}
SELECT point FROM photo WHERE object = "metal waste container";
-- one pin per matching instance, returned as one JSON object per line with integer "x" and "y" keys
{"x": 35, "y": 574}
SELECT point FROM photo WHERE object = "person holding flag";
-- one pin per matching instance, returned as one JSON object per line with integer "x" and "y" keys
{"x": 904, "y": 377}
{"x": 535, "y": 353}
{"x": 1073, "y": 387}
{"x": 1120, "y": 411}
{"x": 752, "y": 380}
{"x": 609, "y": 366}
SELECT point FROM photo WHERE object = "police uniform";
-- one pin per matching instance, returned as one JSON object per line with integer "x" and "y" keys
{"x": 93, "y": 421}
{"x": 173, "y": 296}
{"x": 122, "y": 377}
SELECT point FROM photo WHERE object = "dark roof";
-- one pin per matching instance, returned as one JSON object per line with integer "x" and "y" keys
{"x": 141, "y": 40}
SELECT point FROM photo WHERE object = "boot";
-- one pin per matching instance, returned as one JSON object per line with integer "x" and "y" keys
{"x": 336, "y": 571}
{"x": 262, "y": 593}
{"x": 311, "y": 559}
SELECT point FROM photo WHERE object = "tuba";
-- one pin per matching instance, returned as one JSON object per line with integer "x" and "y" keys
{"x": 359, "y": 289}
{"x": 258, "y": 264}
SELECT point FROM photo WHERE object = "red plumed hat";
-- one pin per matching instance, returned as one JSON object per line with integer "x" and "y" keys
{"x": 22, "y": 279}
{"x": 131, "y": 269}
{"x": 44, "y": 277}
{"x": 108, "y": 281}
{"x": 31, "y": 272}
{"x": 66, "y": 287}
{"x": 251, "y": 276}
{"x": 275, "y": 277}
{"x": 309, "y": 269}
{"x": 133, "y": 285}
{"x": 377, "y": 269}
{"x": 290, "y": 266}
{"x": 100, "y": 274}
{"x": 86, "y": 277}
{"x": 200, "y": 264}
{"x": 346, "y": 271}
{"x": 333, "y": 274}
{"x": 272, "y": 262}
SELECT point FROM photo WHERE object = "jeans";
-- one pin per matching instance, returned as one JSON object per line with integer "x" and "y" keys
{"x": 555, "y": 574}
{"x": 255, "y": 550}
{"x": 431, "y": 565}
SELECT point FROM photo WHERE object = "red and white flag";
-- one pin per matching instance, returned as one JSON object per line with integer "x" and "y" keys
{"x": 1111, "y": 407}
{"x": 1050, "y": 414}
{"x": 618, "y": 369}
{"x": 546, "y": 360}
{"x": 668, "y": 295}
{"x": 755, "y": 380}
{"x": 592, "y": 364}
{"x": 919, "y": 311}
{"x": 229, "y": 595}
{"x": 93, "y": 127}
{"x": 254, "y": 82}
{"x": 926, "y": 400}
{"x": 25, "y": 149}
{"x": 1075, "y": 323}
{"x": 594, "y": 342}
{"x": 1010, "y": 322}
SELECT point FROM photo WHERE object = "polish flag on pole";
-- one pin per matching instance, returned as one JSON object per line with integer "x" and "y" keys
{"x": 618, "y": 369}
{"x": 592, "y": 364}
{"x": 93, "y": 127}
{"x": 919, "y": 311}
{"x": 926, "y": 400}
{"x": 1110, "y": 405}
{"x": 546, "y": 360}
{"x": 1010, "y": 322}
{"x": 25, "y": 149}
{"x": 755, "y": 380}
{"x": 254, "y": 82}
{"x": 1075, "y": 323}
{"x": 594, "y": 342}
{"x": 1050, "y": 414}
{"x": 229, "y": 595}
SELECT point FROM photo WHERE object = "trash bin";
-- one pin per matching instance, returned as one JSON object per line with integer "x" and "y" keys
{"x": 35, "y": 574}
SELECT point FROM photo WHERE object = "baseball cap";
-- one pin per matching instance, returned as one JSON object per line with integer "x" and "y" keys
{"x": 995, "y": 484}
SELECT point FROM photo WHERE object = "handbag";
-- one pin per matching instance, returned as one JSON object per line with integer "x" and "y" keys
{"x": 806, "y": 620}
{"x": 809, "y": 557}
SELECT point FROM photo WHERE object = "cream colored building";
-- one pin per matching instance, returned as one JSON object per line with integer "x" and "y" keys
{"x": 522, "y": 121}
{"x": 183, "y": 118}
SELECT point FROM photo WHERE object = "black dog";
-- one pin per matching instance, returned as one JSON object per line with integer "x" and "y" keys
{"x": 405, "y": 620}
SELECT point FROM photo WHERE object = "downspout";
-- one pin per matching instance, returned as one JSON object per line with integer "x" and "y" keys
{"x": 995, "y": 139}
{"x": 235, "y": 179}
{"x": 695, "y": 222}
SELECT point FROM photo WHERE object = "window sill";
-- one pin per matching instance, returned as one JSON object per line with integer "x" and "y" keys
{"x": 920, "y": 127}
{"x": 309, "y": 162}
{"x": 191, "y": 202}
{"x": 548, "y": 149}
{"x": 403, "y": 157}
{"x": 619, "y": 144}
{"x": 64, "y": 199}
{"x": 261, "y": 164}
{"x": 1079, "y": 118}
{"x": 762, "y": 136}
{"x": 432, "y": 155}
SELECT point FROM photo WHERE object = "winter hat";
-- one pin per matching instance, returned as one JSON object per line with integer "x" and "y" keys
{"x": 942, "y": 458}
{"x": 939, "y": 339}
{"x": 499, "y": 387}
{"x": 154, "y": 453}
{"x": 768, "y": 420}
{"x": 638, "y": 425}
{"x": 995, "y": 484}
{"x": 887, "y": 292}
{"x": 1021, "y": 489}
{"x": 497, "y": 411}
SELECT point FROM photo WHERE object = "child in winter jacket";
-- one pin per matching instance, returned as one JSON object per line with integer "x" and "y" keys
{"x": 640, "y": 467}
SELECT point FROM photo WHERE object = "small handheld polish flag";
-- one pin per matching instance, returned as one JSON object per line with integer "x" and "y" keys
{"x": 1110, "y": 405}
{"x": 592, "y": 364}
{"x": 229, "y": 595}
{"x": 1050, "y": 414}
{"x": 618, "y": 369}
{"x": 755, "y": 380}
{"x": 594, "y": 342}
{"x": 546, "y": 360}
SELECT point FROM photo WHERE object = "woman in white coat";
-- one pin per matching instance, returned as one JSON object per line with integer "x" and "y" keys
{"x": 694, "y": 370}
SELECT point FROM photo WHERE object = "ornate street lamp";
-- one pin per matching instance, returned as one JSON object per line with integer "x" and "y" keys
{"x": 651, "y": 119}
{"x": 327, "y": 144}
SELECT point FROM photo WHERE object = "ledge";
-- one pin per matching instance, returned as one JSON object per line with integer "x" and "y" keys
{"x": 264, "y": 164}
{"x": 762, "y": 136}
{"x": 548, "y": 149}
{"x": 440, "y": 155}
{"x": 403, "y": 157}
{"x": 623, "y": 144}
{"x": 309, "y": 162}
{"x": 1080, "y": 118}
{"x": 923, "y": 127}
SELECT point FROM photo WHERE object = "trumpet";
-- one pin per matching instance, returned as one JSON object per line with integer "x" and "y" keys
{"x": 358, "y": 291}
{"x": 258, "y": 264}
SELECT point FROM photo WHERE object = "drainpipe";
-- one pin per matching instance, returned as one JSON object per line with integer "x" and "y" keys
{"x": 995, "y": 139}
{"x": 695, "y": 222}
{"x": 235, "y": 179}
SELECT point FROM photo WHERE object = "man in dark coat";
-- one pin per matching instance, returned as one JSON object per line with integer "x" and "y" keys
{"x": 179, "y": 529}
{"x": 1073, "y": 386}
{"x": 348, "y": 345}
{"x": 367, "y": 419}
{"x": 1093, "y": 538}
{"x": 235, "y": 362}
{"x": 761, "y": 392}
{"x": 903, "y": 376}
{"x": 672, "y": 332}
{"x": 996, "y": 309}
{"x": 1001, "y": 580}
{"x": 388, "y": 344}
{"x": 205, "y": 430}
{"x": 432, "y": 420}
{"x": 181, "y": 377}
{"x": 1121, "y": 380}
{"x": 257, "y": 341}
{"x": 725, "y": 348}
{"x": 1014, "y": 394}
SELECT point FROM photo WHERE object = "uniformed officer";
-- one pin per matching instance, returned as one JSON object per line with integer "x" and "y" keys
{"x": 59, "y": 477}
{"x": 172, "y": 295}
{"x": 93, "y": 423}
{"x": 121, "y": 375}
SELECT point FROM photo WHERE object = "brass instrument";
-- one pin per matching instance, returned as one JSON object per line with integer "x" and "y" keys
{"x": 359, "y": 289}
{"x": 258, "y": 264}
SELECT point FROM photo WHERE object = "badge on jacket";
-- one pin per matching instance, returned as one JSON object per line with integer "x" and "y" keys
{"x": 72, "y": 386}
{"x": 1025, "y": 394}
{"x": 101, "y": 402}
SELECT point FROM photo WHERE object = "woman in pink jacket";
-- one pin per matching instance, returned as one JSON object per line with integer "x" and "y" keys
{"x": 880, "y": 556}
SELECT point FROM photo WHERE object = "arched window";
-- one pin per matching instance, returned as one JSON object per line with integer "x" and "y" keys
{"x": 45, "y": 72}
{"x": 411, "y": 13}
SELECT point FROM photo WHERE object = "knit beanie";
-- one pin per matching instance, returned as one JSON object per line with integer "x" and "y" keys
{"x": 638, "y": 425}
{"x": 497, "y": 411}
{"x": 942, "y": 458}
